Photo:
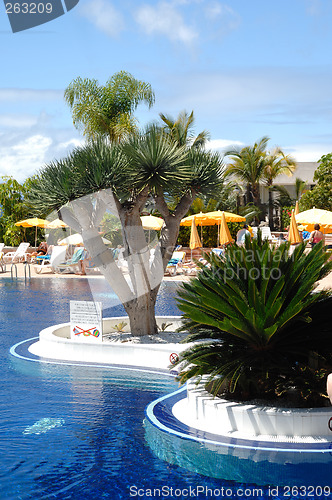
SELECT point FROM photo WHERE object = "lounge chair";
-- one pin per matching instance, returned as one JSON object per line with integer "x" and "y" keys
{"x": 20, "y": 255}
{"x": 2, "y": 263}
{"x": 57, "y": 256}
{"x": 38, "y": 259}
{"x": 174, "y": 263}
{"x": 266, "y": 234}
{"x": 218, "y": 251}
{"x": 192, "y": 268}
{"x": 72, "y": 265}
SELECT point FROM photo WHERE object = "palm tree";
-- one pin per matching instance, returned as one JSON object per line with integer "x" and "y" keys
{"x": 107, "y": 110}
{"x": 247, "y": 166}
{"x": 300, "y": 188}
{"x": 276, "y": 163}
{"x": 122, "y": 177}
{"x": 180, "y": 130}
{"x": 263, "y": 329}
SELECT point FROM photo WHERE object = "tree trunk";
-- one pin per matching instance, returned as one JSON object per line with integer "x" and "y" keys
{"x": 141, "y": 313}
{"x": 256, "y": 195}
{"x": 146, "y": 269}
{"x": 271, "y": 224}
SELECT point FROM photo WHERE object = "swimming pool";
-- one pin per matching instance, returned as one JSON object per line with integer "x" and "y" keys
{"x": 76, "y": 432}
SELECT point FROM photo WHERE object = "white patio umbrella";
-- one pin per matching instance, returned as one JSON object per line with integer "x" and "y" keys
{"x": 152, "y": 223}
{"x": 77, "y": 240}
{"x": 56, "y": 224}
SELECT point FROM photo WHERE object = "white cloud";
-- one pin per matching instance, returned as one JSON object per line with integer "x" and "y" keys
{"x": 308, "y": 152}
{"x": 165, "y": 19}
{"x": 226, "y": 18}
{"x": 104, "y": 16}
{"x": 222, "y": 144}
{"x": 23, "y": 158}
{"x": 23, "y": 155}
{"x": 314, "y": 7}
{"x": 17, "y": 121}
{"x": 63, "y": 147}
{"x": 260, "y": 94}
{"x": 16, "y": 94}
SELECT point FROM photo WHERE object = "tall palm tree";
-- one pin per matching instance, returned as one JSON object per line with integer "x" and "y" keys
{"x": 247, "y": 166}
{"x": 180, "y": 130}
{"x": 107, "y": 110}
{"x": 276, "y": 163}
{"x": 300, "y": 188}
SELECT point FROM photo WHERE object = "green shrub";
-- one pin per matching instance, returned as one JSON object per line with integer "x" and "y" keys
{"x": 266, "y": 332}
{"x": 286, "y": 213}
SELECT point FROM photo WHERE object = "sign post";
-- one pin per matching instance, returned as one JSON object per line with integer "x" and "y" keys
{"x": 86, "y": 323}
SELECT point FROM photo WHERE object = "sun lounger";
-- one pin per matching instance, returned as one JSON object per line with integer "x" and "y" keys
{"x": 2, "y": 263}
{"x": 266, "y": 234}
{"x": 57, "y": 256}
{"x": 20, "y": 255}
{"x": 191, "y": 268}
{"x": 218, "y": 251}
{"x": 72, "y": 265}
{"x": 174, "y": 263}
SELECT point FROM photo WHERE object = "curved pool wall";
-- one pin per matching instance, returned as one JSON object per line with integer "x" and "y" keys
{"x": 55, "y": 343}
{"x": 267, "y": 423}
{"x": 279, "y": 461}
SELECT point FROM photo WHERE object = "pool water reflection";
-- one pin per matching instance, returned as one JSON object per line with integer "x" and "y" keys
{"x": 76, "y": 432}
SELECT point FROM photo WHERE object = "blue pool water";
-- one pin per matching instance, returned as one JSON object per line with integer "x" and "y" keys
{"x": 75, "y": 432}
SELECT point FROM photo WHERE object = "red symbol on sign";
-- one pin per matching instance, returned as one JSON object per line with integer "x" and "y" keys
{"x": 91, "y": 331}
{"x": 330, "y": 424}
{"x": 174, "y": 358}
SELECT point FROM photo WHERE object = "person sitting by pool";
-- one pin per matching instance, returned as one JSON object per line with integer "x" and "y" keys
{"x": 305, "y": 235}
{"x": 316, "y": 236}
{"x": 241, "y": 235}
{"x": 41, "y": 250}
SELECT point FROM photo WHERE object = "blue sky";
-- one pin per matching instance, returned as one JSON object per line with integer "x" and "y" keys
{"x": 247, "y": 68}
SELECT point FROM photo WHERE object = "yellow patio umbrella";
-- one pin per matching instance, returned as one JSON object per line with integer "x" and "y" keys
{"x": 212, "y": 218}
{"x": 225, "y": 236}
{"x": 297, "y": 210}
{"x": 34, "y": 222}
{"x": 229, "y": 217}
{"x": 293, "y": 234}
{"x": 195, "y": 241}
{"x": 315, "y": 216}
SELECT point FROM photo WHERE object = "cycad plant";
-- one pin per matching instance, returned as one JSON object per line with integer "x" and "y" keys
{"x": 260, "y": 329}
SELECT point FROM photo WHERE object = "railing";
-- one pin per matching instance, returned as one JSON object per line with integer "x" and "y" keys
{"x": 26, "y": 267}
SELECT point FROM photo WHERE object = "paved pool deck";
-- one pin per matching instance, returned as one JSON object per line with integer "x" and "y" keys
{"x": 324, "y": 283}
{"x": 46, "y": 273}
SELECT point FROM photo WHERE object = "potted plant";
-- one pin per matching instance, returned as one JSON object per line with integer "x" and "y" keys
{"x": 261, "y": 331}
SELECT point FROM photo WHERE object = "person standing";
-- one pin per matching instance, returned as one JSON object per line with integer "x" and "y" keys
{"x": 316, "y": 236}
{"x": 241, "y": 235}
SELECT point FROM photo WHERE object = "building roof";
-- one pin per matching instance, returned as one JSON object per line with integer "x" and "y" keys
{"x": 304, "y": 171}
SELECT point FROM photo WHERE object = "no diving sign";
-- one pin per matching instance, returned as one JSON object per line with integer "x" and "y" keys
{"x": 174, "y": 358}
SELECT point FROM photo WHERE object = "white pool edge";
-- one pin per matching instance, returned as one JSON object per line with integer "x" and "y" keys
{"x": 54, "y": 343}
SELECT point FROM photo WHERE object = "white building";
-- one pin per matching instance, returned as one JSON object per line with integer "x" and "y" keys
{"x": 304, "y": 171}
